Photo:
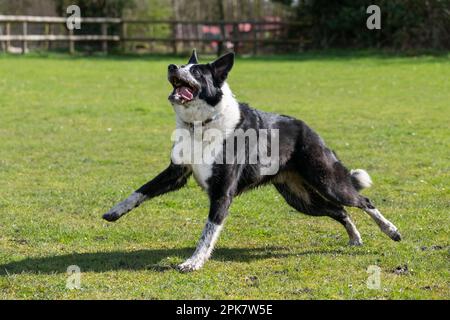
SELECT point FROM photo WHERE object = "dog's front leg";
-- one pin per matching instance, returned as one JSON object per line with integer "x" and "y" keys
{"x": 218, "y": 212}
{"x": 173, "y": 178}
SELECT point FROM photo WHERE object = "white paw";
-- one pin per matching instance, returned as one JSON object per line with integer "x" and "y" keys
{"x": 355, "y": 242}
{"x": 392, "y": 232}
{"x": 190, "y": 265}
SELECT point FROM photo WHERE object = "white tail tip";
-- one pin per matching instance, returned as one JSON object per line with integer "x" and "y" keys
{"x": 361, "y": 179}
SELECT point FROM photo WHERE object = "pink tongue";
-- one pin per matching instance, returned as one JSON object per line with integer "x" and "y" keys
{"x": 185, "y": 92}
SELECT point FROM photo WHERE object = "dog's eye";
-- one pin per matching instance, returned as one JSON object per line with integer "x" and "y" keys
{"x": 196, "y": 73}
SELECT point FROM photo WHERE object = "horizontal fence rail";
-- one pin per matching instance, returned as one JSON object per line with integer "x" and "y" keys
{"x": 36, "y": 19}
{"x": 219, "y": 33}
{"x": 59, "y": 38}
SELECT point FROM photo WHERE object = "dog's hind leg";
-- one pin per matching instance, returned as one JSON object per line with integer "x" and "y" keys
{"x": 309, "y": 202}
{"x": 353, "y": 233}
{"x": 172, "y": 178}
{"x": 385, "y": 225}
{"x": 338, "y": 188}
{"x": 341, "y": 193}
{"x": 322, "y": 171}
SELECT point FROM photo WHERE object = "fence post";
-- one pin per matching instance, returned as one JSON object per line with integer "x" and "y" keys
{"x": 174, "y": 36}
{"x": 24, "y": 33}
{"x": 222, "y": 38}
{"x": 123, "y": 35}
{"x": 255, "y": 38}
{"x": 3, "y": 45}
{"x": 71, "y": 42}
{"x": 47, "y": 32}
{"x": 8, "y": 33}
{"x": 221, "y": 6}
{"x": 236, "y": 37}
{"x": 105, "y": 42}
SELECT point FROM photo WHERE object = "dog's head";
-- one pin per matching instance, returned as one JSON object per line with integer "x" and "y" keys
{"x": 196, "y": 84}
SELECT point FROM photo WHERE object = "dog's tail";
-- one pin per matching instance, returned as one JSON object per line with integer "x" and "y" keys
{"x": 360, "y": 179}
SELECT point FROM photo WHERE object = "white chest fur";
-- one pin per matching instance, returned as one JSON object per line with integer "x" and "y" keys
{"x": 201, "y": 174}
{"x": 206, "y": 142}
{"x": 210, "y": 151}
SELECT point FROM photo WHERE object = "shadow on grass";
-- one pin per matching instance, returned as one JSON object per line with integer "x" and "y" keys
{"x": 150, "y": 259}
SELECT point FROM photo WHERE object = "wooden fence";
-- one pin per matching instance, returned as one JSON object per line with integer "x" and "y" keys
{"x": 253, "y": 34}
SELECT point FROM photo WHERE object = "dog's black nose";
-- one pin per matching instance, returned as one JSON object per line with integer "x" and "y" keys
{"x": 172, "y": 67}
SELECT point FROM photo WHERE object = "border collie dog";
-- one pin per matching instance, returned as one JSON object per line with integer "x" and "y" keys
{"x": 309, "y": 175}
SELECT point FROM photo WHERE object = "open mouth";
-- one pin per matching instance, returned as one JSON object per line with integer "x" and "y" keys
{"x": 185, "y": 90}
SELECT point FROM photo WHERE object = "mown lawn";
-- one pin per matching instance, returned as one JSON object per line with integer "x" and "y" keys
{"x": 79, "y": 134}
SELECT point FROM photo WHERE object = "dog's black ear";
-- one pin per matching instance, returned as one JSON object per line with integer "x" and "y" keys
{"x": 222, "y": 66}
{"x": 193, "y": 59}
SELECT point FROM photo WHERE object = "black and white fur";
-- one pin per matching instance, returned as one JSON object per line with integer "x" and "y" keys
{"x": 311, "y": 178}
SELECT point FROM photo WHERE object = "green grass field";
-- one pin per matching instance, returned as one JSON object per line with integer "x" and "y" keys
{"x": 79, "y": 134}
